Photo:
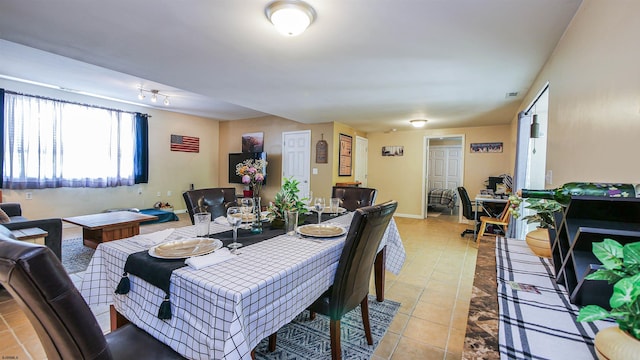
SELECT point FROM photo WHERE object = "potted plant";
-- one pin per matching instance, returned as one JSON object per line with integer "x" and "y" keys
{"x": 621, "y": 267}
{"x": 286, "y": 200}
{"x": 539, "y": 240}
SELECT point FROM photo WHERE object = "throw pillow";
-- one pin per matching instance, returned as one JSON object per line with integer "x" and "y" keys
{"x": 4, "y": 218}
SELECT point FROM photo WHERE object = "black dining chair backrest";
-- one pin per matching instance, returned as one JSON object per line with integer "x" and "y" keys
{"x": 351, "y": 283}
{"x": 352, "y": 197}
{"x": 213, "y": 200}
{"x": 63, "y": 321}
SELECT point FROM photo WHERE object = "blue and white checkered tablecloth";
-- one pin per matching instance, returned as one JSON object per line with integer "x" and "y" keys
{"x": 225, "y": 310}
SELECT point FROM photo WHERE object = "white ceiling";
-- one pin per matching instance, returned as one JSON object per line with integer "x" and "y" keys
{"x": 371, "y": 64}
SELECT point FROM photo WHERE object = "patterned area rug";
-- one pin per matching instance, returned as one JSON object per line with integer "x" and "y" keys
{"x": 306, "y": 339}
{"x": 75, "y": 256}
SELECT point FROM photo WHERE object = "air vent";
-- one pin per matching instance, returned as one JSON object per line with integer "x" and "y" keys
{"x": 511, "y": 94}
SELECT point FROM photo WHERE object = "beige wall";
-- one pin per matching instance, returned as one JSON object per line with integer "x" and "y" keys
{"x": 401, "y": 177}
{"x": 273, "y": 127}
{"x": 594, "y": 96}
{"x": 168, "y": 171}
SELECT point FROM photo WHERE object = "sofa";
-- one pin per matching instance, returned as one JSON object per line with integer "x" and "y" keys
{"x": 52, "y": 226}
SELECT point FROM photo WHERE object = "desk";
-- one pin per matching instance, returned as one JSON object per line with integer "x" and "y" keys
{"x": 98, "y": 228}
{"x": 225, "y": 310}
{"x": 480, "y": 201}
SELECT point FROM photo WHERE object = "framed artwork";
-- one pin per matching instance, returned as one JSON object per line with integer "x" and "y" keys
{"x": 392, "y": 150}
{"x": 322, "y": 152}
{"x": 253, "y": 142}
{"x": 495, "y": 147}
{"x": 344, "y": 155}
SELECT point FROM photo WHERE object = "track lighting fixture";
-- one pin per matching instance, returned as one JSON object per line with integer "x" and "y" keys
{"x": 154, "y": 95}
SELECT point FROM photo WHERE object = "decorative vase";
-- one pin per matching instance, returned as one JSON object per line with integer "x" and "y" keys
{"x": 247, "y": 193}
{"x": 614, "y": 344}
{"x": 538, "y": 241}
{"x": 256, "y": 226}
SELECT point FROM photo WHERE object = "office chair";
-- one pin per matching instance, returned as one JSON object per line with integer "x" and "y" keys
{"x": 351, "y": 284}
{"x": 67, "y": 328}
{"x": 468, "y": 212}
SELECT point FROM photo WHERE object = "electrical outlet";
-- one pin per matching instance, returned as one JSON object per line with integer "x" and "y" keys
{"x": 169, "y": 193}
{"x": 158, "y": 193}
{"x": 139, "y": 191}
{"x": 29, "y": 196}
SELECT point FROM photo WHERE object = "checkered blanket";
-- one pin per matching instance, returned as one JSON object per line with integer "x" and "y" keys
{"x": 223, "y": 311}
{"x": 444, "y": 197}
{"x": 537, "y": 321}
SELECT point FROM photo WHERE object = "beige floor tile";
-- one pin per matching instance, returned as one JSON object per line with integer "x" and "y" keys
{"x": 13, "y": 352}
{"x": 387, "y": 345}
{"x": 455, "y": 344}
{"x": 427, "y": 332}
{"x": 434, "y": 313}
{"x": 409, "y": 349}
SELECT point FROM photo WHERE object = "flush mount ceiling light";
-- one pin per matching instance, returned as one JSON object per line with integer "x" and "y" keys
{"x": 418, "y": 123}
{"x": 154, "y": 95}
{"x": 290, "y": 17}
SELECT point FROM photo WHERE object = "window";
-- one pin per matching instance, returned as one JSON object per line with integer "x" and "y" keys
{"x": 50, "y": 143}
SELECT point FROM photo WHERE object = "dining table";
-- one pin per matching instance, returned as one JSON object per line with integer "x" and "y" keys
{"x": 224, "y": 310}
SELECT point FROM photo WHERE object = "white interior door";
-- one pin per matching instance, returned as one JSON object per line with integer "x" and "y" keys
{"x": 296, "y": 157}
{"x": 362, "y": 158}
{"x": 444, "y": 167}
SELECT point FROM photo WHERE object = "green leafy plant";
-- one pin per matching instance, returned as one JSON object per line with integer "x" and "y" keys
{"x": 621, "y": 267}
{"x": 544, "y": 209}
{"x": 287, "y": 199}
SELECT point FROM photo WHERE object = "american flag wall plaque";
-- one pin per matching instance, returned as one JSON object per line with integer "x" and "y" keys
{"x": 185, "y": 143}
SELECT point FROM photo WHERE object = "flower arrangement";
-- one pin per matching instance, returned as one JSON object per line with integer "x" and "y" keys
{"x": 251, "y": 172}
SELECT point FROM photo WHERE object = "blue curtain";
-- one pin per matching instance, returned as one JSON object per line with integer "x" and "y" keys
{"x": 1, "y": 138}
{"x": 141, "y": 159}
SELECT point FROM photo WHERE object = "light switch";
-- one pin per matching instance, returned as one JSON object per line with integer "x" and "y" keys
{"x": 314, "y": 171}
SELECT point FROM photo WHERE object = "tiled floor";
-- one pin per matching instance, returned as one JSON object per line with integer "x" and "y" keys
{"x": 434, "y": 287}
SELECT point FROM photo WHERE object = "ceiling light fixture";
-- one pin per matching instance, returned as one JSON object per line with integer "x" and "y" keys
{"x": 290, "y": 17}
{"x": 154, "y": 95}
{"x": 418, "y": 123}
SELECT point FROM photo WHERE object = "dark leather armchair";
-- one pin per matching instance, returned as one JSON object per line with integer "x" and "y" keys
{"x": 213, "y": 200}
{"x": 62, "y": 319}
{"x": 352, "y": 198}
{"x": 468, "y": 212}
{"x": 52, "y": 226}
{"x": 351, "y": 284}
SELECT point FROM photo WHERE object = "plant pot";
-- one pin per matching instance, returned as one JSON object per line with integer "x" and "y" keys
{"x": 538, "y": 241}
{"x": 278, "y": 223}
{"x": 613, "y": 344}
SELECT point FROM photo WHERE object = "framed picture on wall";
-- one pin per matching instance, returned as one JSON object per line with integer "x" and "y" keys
{"x": 495, "y": 147}
{"x": 392, "y": 150}
{"x": 253, "y": 142}
{"x": 344, "y": 155}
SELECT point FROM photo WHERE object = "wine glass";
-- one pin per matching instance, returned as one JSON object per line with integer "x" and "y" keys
{"x": 234, "y": 217}
{"x": 246, "y": 207}
{"x": 318, "y": 205}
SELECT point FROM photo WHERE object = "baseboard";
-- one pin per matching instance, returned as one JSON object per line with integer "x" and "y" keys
{"x": 412, "y": 216}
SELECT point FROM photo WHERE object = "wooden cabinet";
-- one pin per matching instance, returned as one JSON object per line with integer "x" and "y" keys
{"x": 587, "y": 220}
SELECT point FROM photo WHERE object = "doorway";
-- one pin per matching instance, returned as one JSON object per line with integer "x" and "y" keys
{"x": 296, "y": 158}
{"x": 362, "y": 156}
{"x": 444, "y": 168}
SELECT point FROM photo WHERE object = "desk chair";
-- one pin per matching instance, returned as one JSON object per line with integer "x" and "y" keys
{"x": 351, "y": 284}
{"x": 502, "y": 221}
{"x": 468, "y": 212}
{"x": 213, "y": 200}
{"x": 67, "y": 328}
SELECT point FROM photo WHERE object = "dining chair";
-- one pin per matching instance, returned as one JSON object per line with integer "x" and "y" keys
{"x": 468, "y": 212}
{"x": 213, "y": 200}
{"x": 502, "y": 221}
{"x": 352, "y": 197}
{"x": 351, "y": 283}
{"x": 67, "y": 328}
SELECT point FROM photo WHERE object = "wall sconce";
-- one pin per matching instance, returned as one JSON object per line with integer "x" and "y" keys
{"x": 154, "y": 96}
{"x": 535, "y": 127}
{"x": 418, "y": 123}
{"x": 290, "y": 17}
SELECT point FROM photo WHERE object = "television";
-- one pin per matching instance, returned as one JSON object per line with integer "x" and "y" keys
{"x": 237, "y": 158}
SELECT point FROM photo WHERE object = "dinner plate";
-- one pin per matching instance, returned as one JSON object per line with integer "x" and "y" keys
{"x": 321, "y": 230}
{"x": 185, "y": 248}
{"x": 327, "y": 210}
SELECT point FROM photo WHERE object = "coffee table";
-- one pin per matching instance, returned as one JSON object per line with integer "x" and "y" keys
{"x": 109, "y": 226}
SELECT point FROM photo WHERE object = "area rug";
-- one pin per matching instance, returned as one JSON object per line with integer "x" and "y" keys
{"x": 75, "y": 256}
{"x": 307, "y": 339}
